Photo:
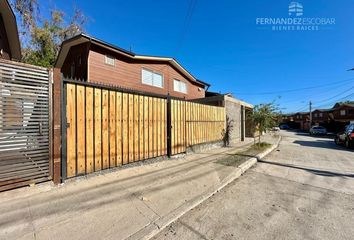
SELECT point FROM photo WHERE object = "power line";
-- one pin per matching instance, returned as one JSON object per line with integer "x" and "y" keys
{"x": 297, "y": 89}
{"x": 187, "y": 20}
{"x": 305, "y": 107}
{"x": 337, "y": 100}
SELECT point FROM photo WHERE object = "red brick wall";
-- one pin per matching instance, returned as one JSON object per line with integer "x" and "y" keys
{"x": 127, "y": 74}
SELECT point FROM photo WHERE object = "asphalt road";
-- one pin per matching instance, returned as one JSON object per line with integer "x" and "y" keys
{"x": 303, "y": 190}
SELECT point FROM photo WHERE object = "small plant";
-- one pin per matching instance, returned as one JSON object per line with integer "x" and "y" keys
{"x": 226, "y": 133}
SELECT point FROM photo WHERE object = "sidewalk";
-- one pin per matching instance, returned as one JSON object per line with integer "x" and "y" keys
{"x": 114, "y": 205}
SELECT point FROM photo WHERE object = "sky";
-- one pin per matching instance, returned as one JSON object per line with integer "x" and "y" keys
{"x": 220, "y": 43}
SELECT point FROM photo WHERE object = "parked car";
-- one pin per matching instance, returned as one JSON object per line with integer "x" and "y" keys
{"x": 275, "y": 129}
{"x": 284, "y": 126}
{"x": 318, "y": 130}
{"x": 346, "y": 137}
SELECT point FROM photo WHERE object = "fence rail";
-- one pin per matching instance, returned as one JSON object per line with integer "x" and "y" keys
{"x": 106, "y": 127}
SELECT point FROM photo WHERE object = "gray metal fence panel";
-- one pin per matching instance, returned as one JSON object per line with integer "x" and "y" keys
{"x": 24, "y": 125}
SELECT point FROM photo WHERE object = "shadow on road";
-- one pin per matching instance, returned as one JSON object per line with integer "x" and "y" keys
{"x": 319, "y": 143}
{"x": 311, "y": 170}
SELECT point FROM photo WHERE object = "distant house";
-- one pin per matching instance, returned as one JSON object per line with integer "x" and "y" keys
{"x": 321, "y": 116}
{"x": 10, "y": 48}
{"x": 343, "y": 112}
{"x": 93, "y": 60}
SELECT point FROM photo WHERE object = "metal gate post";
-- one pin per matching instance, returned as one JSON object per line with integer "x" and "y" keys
{"x": 169, "y": 126}
{"x": 63, "y": 131}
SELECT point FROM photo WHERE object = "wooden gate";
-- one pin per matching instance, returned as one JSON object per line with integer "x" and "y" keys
{"x": 24, "y": 125}
{"x": 106, "y": 128}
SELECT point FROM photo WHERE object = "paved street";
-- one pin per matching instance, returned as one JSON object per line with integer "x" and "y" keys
{"x": 303, "y": 190}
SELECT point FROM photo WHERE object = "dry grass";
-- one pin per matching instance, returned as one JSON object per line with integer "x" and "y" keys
{"x": 240, "y": 157}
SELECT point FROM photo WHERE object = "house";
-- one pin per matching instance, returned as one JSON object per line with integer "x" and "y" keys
{"x": 321, "y": 116}
{"x": 343, "y": 112}
{"x": 93, "y": 60}
{"x": 10, "y": 48}
{"x": 300, "y": 120}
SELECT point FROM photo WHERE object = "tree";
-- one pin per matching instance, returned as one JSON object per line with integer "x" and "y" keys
{"x": 41, "y": 38}
{"x": 264, "y": 117}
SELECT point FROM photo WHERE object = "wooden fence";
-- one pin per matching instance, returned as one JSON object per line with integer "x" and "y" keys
{"x": 105, "y": 127}
{"x": 194, "y": 123}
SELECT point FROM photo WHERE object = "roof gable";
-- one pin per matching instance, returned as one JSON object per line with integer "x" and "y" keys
{"x": 81, "y": 38}
{"x": 10, "y": 24}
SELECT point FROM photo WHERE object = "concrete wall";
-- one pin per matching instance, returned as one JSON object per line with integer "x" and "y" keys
{"x": 233, "y": 111}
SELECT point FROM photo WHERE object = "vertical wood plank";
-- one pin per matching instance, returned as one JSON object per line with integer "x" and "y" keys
{"x": 125, "y": 119}
{"x": 98, "y": 130}
{"x": 105, "y": 126}
{"x": 131, "y": 127}
{"x": 71, "y": 130}
{"x": 146, "y": 127}
{"x": 163, "y": 125}
{"x": 89, "y": 130}
{"x": 173, "y": 130}
{"x": 112, "y": 129}
{"x": 150, "y": 128}
{"x": 136, "y": 128}
{"x": 119, "y": 126}
{"x": 141, "y": 127}
{"x": 155, "y": 132}
{"x": 158, "y": 126}
{"x": 80, "y": 101}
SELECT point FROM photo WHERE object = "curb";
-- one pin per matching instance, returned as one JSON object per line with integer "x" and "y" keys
{"x": 154, "y": 228}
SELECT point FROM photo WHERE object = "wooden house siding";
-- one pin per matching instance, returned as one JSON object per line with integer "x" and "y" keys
{"x": 76, "y": 54}
{"x": 126, "y": 73}
{"x": 4, "y": 43}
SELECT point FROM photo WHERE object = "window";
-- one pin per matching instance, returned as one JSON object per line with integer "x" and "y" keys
{"x": 321, "y": 114}
{"x": 342, "y": 112}
{"x": 109, "y": 60}
{"x": 315, "y": 115}
{"x": 179, "y": 86}
{"x": 151, "y": 78}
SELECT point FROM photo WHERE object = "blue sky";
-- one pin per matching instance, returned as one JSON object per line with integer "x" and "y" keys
{"x": 220, "y": 43}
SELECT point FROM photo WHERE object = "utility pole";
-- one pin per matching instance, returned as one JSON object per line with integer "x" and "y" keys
{"x": 310, "y": 113}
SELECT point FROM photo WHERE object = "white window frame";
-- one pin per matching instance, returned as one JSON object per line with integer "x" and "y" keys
{"x": 179, "y": 90}
{"x": 342, "y": 112}
{"x": 153, "y": 74}
{"x": 108, "y": 58}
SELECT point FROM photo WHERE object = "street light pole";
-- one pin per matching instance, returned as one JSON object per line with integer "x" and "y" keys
{"x": 310, "y": 113}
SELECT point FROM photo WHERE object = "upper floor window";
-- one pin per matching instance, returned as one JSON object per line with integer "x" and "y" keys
{"x": 109, "y": 60}
{"x": 151, "y": 78}
{"x": 179, "y": 86}
{"x": 321, "y": 114}
{"x": 342, "y": 112}
{"x": 315, "y": 115}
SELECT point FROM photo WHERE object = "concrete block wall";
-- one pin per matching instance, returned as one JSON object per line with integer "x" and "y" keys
{"x": 233, "y": 111}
